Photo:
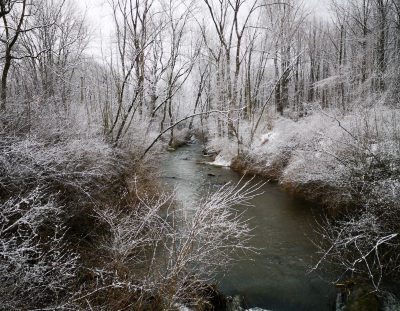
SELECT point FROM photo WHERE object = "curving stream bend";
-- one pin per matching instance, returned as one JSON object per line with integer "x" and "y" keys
{"x": 277, "y": 278}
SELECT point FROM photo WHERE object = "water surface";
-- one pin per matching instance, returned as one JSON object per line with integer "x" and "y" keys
{"x": 278, "y": 277}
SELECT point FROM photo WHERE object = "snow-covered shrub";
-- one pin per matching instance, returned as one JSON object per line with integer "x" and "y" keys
{"x": 159, "y": 253}
{"x": 80, "y": 166}
{"x": 122, "y": 273}
{"x": 356, "y": 164}
{"x": 271, "y": 153}
{"x": 49, "y": 119}
{"x": 77, "y": 174}
{"x": 341, "y": 155}
{"x": 203, "y": 241}
{"x": 37, "y": 268}
{"x": 359, "y": 244}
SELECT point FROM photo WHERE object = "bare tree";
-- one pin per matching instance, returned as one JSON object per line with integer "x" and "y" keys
{"x": 54, "y": 50}
{"x": 230, "y": 29}
{"x": 131, "y": 18}
{"x": 179, "y": 65}
{"x": 13, "y": 14}
{"x": 382, "y": 8}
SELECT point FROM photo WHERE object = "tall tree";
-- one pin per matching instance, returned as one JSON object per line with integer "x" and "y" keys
{"x": 13, "y": 14}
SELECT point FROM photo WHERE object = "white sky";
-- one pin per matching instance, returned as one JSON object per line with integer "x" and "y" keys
{"x": 99, "y": 17}
{"x": 319, "y": 7}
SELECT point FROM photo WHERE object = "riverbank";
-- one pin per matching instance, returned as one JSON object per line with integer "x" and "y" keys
{"x": 350, "y": 166}
{"x": 187, "y": 172}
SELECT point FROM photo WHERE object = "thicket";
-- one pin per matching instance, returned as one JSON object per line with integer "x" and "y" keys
{"x": 84, "y": 224}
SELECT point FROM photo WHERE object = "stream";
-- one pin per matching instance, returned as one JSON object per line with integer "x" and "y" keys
{"x": 277, "y": 278}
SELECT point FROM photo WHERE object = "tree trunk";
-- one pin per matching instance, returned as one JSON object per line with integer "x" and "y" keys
{"x": 381, "y": 44}
{"x": 6, "y": 69}
{"x": 278, "y": 101}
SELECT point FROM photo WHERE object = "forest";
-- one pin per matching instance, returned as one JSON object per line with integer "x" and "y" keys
{"x": 269, "y": 88}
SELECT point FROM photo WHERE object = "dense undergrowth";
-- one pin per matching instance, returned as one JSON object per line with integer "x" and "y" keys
{"x": 85, "y": 226}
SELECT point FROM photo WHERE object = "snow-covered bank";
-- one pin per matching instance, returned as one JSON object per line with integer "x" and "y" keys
{"x": 349, "y": 163}
{"x": 221, "y": 162}
{"x": 343, "y": 154}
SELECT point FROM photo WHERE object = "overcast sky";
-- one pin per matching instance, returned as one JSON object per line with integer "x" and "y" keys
{"x": 98, "y": 15}
{"x": 320, "y": 7}
{"x": 99, "y": 20}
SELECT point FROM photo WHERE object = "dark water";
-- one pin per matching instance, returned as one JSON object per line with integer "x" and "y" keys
{"x": 277, "y": 278}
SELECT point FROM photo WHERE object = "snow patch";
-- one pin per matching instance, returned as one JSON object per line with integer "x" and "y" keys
{"x": 221, "y": 161}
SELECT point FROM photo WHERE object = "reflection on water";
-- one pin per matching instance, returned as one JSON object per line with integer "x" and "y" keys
{"x": 276, "y": 278}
